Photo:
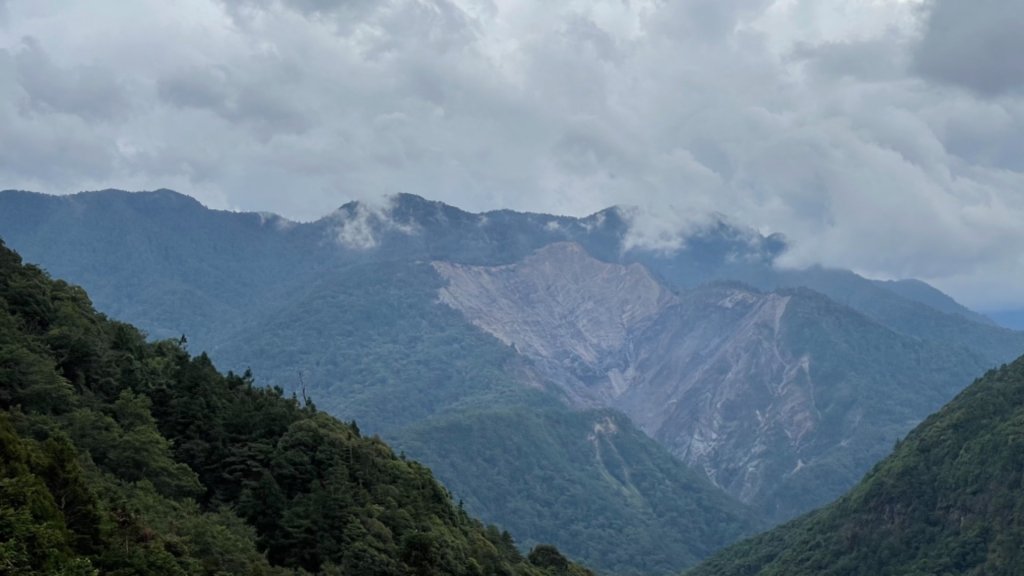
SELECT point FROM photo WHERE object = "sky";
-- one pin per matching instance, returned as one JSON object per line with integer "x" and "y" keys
{"x": 884, "y": 136}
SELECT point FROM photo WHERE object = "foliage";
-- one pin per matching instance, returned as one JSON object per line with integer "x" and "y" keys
{"x": 392, "y": 356}
{"x": 126, "y": 457}
{"x": 359, "y": 330}
{"x": 444, "y": 393}
{"x": 589, "y": 482}
{"x": 949, "y": 500}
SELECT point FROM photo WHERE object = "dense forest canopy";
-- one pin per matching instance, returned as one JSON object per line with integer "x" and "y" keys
{"x": 122, "y": 456}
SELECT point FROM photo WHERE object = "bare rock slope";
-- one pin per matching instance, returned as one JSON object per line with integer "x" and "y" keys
{"x": 574, "y": 316}
{"x": 778, "y": 397}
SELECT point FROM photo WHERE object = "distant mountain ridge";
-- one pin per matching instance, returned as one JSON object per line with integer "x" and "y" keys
{"x": 929, "y": 296}
{"x": 381, "y": 314}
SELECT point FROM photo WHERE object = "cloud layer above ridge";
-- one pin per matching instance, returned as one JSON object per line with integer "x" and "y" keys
{"x": 885, "y": 136}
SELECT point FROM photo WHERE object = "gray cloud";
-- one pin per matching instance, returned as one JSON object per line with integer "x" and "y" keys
{"x": 350, "y": 9}
{"x": 90, "y": 92}
{"x": 259, "y": 100}
{"x": 975, "y": 45}
{"x": 822, "y": 119}
{"x": 872, "y": 60}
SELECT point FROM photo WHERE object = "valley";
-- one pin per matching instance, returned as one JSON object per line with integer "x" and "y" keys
{"x": 437, "y": 329}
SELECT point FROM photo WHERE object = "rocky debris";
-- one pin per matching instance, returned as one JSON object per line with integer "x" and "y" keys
{"x": 715, "y": 374}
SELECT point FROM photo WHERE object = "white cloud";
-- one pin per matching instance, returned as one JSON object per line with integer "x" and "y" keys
{"x": 822, "y": 119}
{"x": 362, "y": 227}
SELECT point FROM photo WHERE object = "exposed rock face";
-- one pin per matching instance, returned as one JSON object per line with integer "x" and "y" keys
{"x": 714, "y": 382}
{"x": 726, "y": 377}
{"x": 574, "y": 316}
{"x": 782, "y": 397}
{"x": 946, "y": 501}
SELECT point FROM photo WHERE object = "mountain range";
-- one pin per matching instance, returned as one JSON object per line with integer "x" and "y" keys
{"x": 680, "y": 398}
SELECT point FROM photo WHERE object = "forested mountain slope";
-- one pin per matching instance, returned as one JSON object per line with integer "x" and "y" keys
{"x": 394, "y": 394}
{"x": 413, "y": 368}
{"x": 929, "y": 296}
{"x": 126, "y": 457}
{"x": 357, "y": 309}
{"x": 590, "y": 479}
{"x": 949, "y": 500}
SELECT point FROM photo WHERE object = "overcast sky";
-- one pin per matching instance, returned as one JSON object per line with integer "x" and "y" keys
{"x": 886, "y": 136}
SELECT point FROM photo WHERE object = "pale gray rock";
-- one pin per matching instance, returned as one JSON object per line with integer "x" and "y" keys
{"x": 730, "y": 379}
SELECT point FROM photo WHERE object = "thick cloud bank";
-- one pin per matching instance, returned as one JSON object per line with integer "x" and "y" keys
{"x": 882, "y": 135}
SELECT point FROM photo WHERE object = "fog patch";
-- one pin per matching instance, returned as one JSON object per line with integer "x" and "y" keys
{"x": 279, "y": 223}
{"x": 661, "y": 230}
{"x": 363, "y": 225}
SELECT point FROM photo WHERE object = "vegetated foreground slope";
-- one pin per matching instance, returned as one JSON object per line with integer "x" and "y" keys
{"x": 949, "y": 500}
{"x": 119, "y": 456}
